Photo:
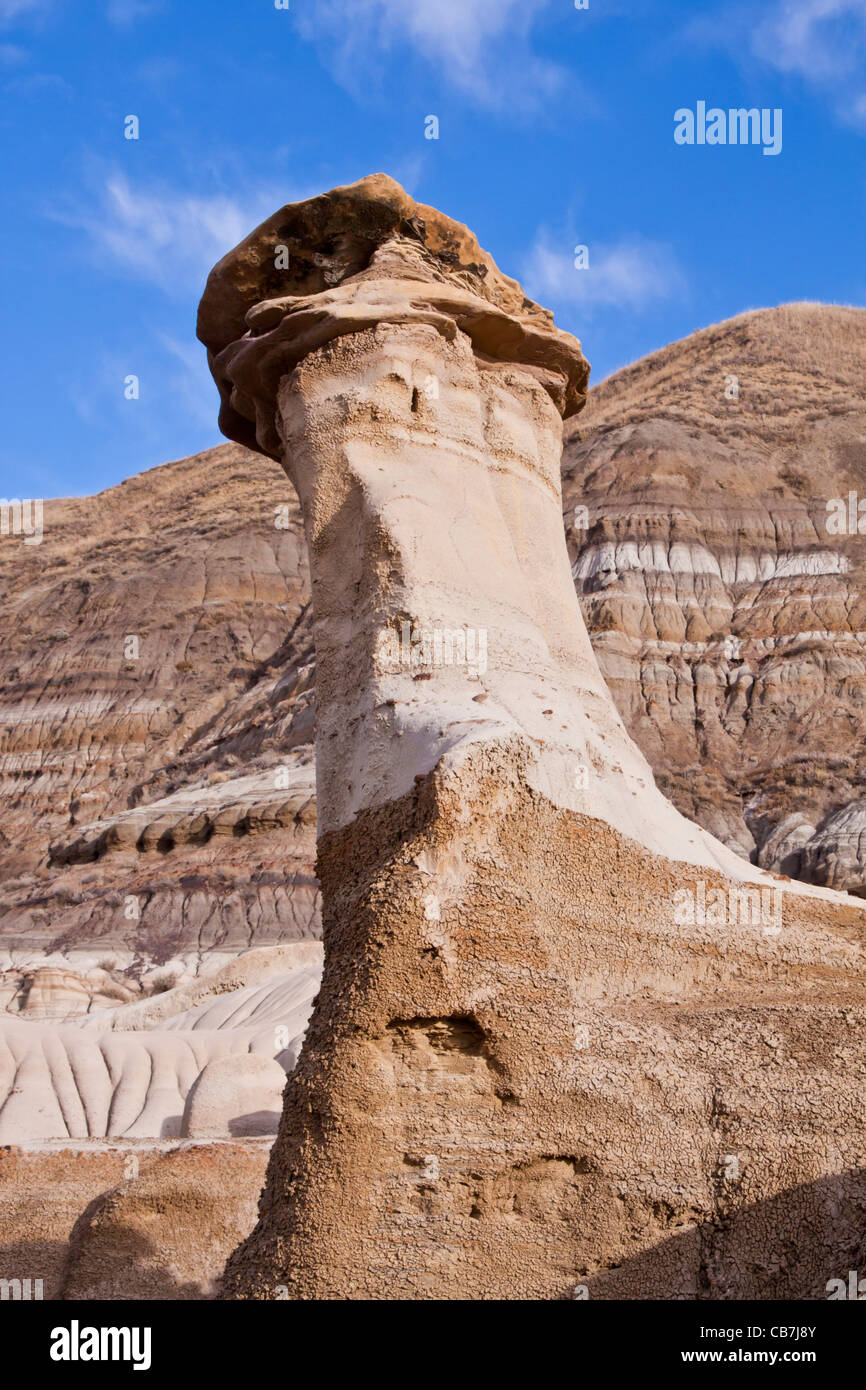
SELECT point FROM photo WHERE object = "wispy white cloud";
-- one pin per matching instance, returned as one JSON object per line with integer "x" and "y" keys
{"x": 408, "y": 170}
{"x": 629, "y": 274}
{"x": 38, "y": 84}
{"x": 125, "y": 13}
{"x": 175, "y": 386}
{"x": 818, "y": 39}
{"x": 822, "y": 42}
{"x": 12, "y": 10}
{"x": 483, "y": 47}
{"x": 119, "y": 12}
{"x": 161, "y": 72}
{"x": 166, "y": 236}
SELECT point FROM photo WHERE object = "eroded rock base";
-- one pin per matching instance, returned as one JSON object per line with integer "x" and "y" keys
{"x": 524, "y": 1076}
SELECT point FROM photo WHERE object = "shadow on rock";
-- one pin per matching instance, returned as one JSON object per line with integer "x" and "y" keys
{"x": 790, "y": 1246}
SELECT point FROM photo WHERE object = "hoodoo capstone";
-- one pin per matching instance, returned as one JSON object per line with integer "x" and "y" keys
{"x": 529, "y": 1069}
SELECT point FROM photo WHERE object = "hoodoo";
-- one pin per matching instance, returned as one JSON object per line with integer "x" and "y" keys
{"x": 524, "y": 1075}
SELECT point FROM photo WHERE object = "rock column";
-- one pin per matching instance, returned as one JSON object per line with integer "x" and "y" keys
{"x": 472, "y": 1101}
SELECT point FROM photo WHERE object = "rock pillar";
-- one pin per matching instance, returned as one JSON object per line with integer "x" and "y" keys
{"x": 502, "y": 1086}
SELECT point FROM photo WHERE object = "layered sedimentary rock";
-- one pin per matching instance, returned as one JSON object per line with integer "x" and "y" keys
{"x": 835, "y": 853}
{"x": 782, "y": 849}
{"x": 708, "y": 504}
{"x": 156, "y": 723}
{"x": 53, "y": 992}
{"x": 560, "y": 1043}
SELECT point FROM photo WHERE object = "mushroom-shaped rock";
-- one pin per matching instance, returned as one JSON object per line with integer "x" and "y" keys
{"x": 348, "y": 260}
{"x": 240, "y": 1096}
{"x": 525, "y": 1047}
{"x": 414, "y": 395}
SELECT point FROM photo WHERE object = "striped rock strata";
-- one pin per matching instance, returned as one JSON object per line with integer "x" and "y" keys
{"x": 711, "y": 495}
{"x": 156, "y": 724}
{"x": 529, "y": 1062}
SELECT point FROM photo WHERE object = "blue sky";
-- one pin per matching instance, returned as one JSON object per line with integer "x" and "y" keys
{"x": 555, "y": 129}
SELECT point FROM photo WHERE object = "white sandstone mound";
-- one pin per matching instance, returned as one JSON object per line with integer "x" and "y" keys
{"x": 129, "y": 1072}
{"x": 239, "y": 1095}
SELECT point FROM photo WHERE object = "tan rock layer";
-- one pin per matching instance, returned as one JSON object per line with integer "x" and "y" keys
{"x": 554, "y": 1084}
{"x": 203, "y": 563}
{"x": 125, "y": 1223}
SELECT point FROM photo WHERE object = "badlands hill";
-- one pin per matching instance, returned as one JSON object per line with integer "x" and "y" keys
{"x": 158, "y": 793}
{"x": 156, "y": 733}
{"x": 726, "y": 613}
